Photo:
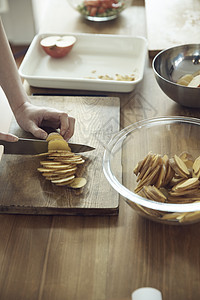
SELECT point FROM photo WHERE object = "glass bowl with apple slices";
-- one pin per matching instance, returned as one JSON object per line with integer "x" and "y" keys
{"x": 154, "y": 164}
{"x": 100, "y": 10}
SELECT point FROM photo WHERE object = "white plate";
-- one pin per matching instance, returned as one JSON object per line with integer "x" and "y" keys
{"x": 93, "y": 55}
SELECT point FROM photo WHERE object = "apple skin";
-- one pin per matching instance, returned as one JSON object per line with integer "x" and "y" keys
{"x": 57, "y": 52}
{"x": 58, "y": 46}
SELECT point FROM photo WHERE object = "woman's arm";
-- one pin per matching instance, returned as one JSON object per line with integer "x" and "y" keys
{"x": 10, "y": 80}
{"x": 31, "y": 118}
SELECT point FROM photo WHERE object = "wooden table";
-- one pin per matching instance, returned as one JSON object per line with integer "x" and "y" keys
{"x": 101, "y": 258}
{"x": 177, "y": 21}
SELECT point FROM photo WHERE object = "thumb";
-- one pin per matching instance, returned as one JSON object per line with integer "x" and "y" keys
{"x": 38, "y": 132}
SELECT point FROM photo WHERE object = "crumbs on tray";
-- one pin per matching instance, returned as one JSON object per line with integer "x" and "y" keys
{"x": 117, "y": 77}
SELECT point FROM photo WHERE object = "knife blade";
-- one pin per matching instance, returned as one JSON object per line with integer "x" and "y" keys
{"x": 33, "y": 146}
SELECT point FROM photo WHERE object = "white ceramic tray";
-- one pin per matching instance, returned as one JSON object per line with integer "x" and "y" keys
{"x": 92, "y": 56}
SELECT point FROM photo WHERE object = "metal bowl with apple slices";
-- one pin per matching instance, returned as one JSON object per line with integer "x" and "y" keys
{"x": 177, "y": 71}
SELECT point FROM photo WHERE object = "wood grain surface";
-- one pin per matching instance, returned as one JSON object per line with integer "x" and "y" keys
{"x": 126, "y": 252}
{"x": 23, "y": 188}
{"x": 127, "y": 24}
{"x": 101, "y": 257}
{"x": 176, "y": 21}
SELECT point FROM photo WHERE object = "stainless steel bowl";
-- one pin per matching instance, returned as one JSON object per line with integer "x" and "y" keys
{"x": 170, "y": 65}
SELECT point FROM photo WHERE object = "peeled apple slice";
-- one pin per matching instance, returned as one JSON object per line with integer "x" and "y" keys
{"x": 58, "y": 46}
{"x": 195, "y": 82}
{"x": 185, "y": 80}
{"x": 58, "y": 144}
{"x": 54, "y": 136}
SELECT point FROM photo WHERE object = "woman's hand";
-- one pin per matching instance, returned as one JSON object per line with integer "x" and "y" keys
{"x": 31, "y": 118}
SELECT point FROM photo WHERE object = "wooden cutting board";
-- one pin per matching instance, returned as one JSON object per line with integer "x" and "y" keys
{"x": 25, "y": 191}
{"x": 171, "y": 22}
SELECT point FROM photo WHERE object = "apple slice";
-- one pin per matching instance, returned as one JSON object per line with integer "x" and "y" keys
{"x": 58, "y": 46}
{"x": 195, "y": 82}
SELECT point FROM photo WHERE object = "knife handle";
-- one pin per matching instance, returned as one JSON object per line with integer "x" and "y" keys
{"x": 3, "y": 143}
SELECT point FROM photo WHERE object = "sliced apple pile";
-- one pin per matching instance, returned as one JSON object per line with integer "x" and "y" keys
{"x": 58, "y": 46}
{"x": 60, "y": 165}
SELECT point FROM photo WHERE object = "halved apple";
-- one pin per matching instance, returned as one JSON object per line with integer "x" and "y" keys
{"x": 58, "y": 46}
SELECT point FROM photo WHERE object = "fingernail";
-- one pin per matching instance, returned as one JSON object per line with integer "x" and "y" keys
{"x": 44, "y": 135}
{"x": 62, "y": 132}
{"x": 13, "y": 138}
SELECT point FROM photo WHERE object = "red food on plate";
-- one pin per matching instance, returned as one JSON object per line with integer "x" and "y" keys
{"x": 58, "y": 46}
{"x": 95, "y": 7}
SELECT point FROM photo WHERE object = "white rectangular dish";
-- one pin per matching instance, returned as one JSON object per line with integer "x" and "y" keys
{"x": 93, "y": 55}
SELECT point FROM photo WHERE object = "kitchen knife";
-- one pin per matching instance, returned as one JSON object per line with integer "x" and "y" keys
{"x": 32, "y": 147}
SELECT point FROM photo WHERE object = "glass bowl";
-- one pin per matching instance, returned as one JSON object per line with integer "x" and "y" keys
{"x": 100, "y": 10}
{"x": 171, "y": 136}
